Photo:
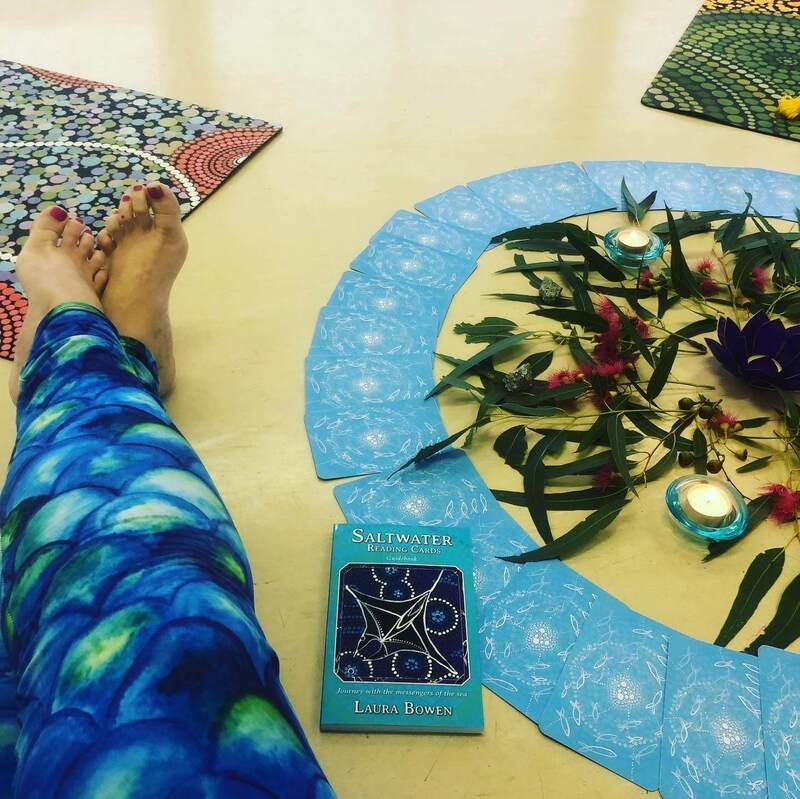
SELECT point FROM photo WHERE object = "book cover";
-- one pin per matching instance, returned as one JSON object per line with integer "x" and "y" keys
{"x": 401, "y": 652}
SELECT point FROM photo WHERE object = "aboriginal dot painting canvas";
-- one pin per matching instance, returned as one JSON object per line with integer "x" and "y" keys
{"x": 734, "y": 62}
{"x": 80, "y": 143}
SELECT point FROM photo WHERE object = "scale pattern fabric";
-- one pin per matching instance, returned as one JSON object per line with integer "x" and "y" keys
{"x": 732, "y": 65}
{"x": 128, "y": 600}
{"x": 80, "y": 143}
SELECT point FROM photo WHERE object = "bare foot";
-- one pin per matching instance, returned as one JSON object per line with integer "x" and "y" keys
{"x": 59, "y": 263}
{"x": 146, "y": 247}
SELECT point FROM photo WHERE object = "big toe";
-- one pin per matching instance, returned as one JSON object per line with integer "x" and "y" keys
{"x": 164, "y": 204}
{"x": 49, "y": 225}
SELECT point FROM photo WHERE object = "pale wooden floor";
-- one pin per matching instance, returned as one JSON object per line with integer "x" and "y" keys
{"x": 384, "y": 103}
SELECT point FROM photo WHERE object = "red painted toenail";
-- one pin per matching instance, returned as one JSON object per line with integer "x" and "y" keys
{"x": 125, "y": 198}
{"x": 58, "y": 213}
{"x": 156, "y": 192}
{"x": 137, "y": 188}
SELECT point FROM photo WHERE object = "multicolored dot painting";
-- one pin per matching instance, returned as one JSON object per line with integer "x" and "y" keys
{"x": 79, "y": 143}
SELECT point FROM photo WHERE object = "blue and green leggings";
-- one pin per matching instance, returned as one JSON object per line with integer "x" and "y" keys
{"x": 135, "y": 665}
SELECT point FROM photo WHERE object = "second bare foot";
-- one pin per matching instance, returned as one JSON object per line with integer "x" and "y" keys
{"x": 145, "y": 246}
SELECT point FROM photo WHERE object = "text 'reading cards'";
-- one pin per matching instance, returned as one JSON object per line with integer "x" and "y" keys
{"x": 401, "y": 652}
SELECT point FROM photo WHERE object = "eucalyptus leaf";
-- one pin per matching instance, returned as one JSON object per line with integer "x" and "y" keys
{"x": 687, "y": 332}
{"x": 616, "y": 437}
{"x": 733, "y": 227}
{"x": 758, "y": 463}
{"x": 511, "y": 445}
{"x": 544, "y": 245}
{"x": 756, "y": 421}
{"x": 586, "y": 465}
{"x": 521, "y": 265}
{"x": 488, "y": 330}
{"x": 432, "y": 449}
{"x": 595, "y": 261}
{"x": 579, "y": 354}
{"x": 680, "y": 274}
{"x": 533, "y": 481}
{"x": 660, "y": 467}
{"x": 668, "y": 351}
{"x": 577, "y": 537}
{"x": 587, "y": 320}
{"x": 700, "y": 451}
{"x": 784, "y": 628}
{"x": 580, "y": 295}
{"x": 537, "y": 363}
{"x": 488, "y": 352}
{"x": 583, "y": 499}
{"x": 533, "y": 299}
{"x": 636, "y": 210}
{"x": 554, "y": 231}
{"x": 758, "y": 579}
{"x": 757, "y": 510}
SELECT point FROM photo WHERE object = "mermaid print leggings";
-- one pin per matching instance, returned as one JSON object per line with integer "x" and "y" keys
{"x": 141, "y": 671}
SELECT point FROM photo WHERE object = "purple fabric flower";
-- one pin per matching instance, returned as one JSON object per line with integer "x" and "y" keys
{"x": 764, "y": 353}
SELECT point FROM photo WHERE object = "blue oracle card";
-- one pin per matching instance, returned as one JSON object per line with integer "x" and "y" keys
{"x": 401, "y": 645}
{"x": 608, "y": 175}
{"x": 516, "y": 195}
{"x": 388, "y": 257}
{"x": 567, "y": 189}
{"x": 609, "y": 700}
{"x": 529, "y": 627}
{"x": 461, "y": 207}
{"x": 683, "y": 186}
{"x": 731, "y": 183}
{"x": 713, "y": 744}
{"x": 436, "y": 235}
{"x": 340, "y": 382}
{"x": 779, "y": 684}
{"x": 343, "y": 332}
{"x": 782, "y": 194}
{"x": 370, "y": 438}
{"x": 532, "y": 613}
{"x": 363, "y": 294}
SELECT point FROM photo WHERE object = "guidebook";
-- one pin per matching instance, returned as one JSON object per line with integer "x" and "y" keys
{"x": 401, "y": 653}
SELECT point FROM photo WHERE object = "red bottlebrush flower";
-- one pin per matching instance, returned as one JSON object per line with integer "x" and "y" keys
{"x": 642, "y": 328}
{"x": 605, "y": 310}
{"x": 604, "y": 477}
{"x": 708, "y": 287}
{"x": 610, "y": 368}
{"x": 725, "y": 422}
{"x": 607, "y": 347}
{"x": 646, "y": 277}
{"x": 563, "y": 377}
{"x": 705, "y": 266}
{"x": 758, "y": 279}
{"x": 785, "y": 502}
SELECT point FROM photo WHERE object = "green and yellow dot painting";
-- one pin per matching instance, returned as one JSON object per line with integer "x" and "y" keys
{"x": 733, "y": 63}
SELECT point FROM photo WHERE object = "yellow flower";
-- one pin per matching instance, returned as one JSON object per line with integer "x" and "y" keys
{"x": 789, "y": 106}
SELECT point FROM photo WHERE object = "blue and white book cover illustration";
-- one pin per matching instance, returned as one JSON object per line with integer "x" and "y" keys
{"x": 401, "y": 650}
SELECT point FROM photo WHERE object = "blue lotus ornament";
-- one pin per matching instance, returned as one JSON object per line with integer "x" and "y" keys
{"x": 764, "y": 353}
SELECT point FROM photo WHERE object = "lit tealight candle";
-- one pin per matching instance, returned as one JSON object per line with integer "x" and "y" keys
{"x": 708, "y": 504}
{"x": 633, "y": 239}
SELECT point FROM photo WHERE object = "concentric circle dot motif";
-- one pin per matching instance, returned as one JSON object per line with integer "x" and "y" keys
{"x": 733, "y": 63}
{"x": 80, "y": 143}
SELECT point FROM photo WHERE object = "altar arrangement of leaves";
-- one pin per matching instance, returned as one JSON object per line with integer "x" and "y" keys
{"x": 608, "y": 411}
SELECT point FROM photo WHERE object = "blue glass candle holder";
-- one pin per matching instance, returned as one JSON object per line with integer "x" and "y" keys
{"x": 632, "y": 247}
{"x": 707, "y": 508}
